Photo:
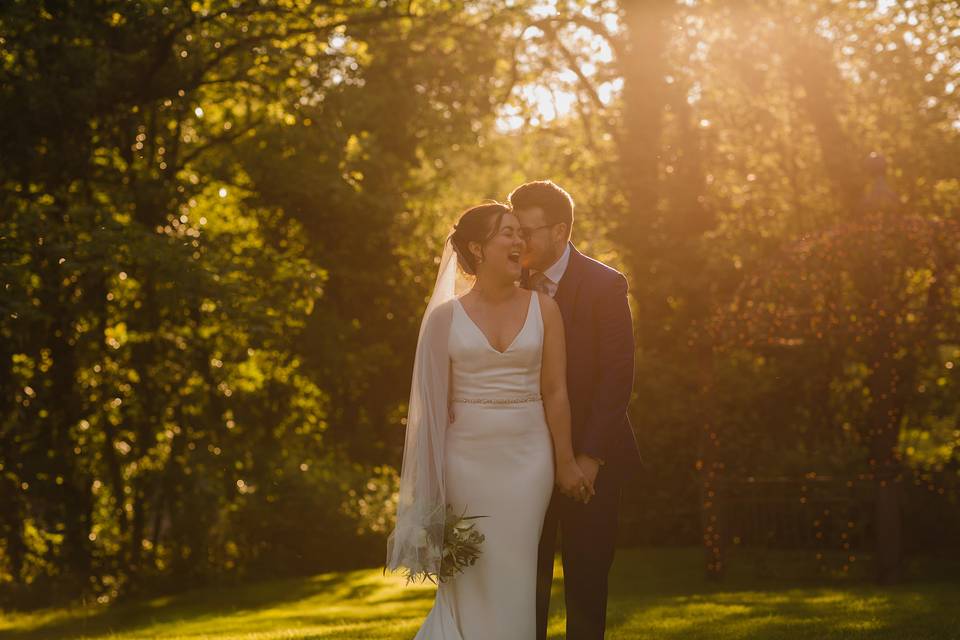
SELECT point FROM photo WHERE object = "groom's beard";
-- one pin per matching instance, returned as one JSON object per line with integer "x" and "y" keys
{"x": 546, "y": 259}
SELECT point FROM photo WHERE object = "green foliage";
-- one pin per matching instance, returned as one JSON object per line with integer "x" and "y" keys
{"x": 219, "y": 221}
{"x": 200, "y": 292}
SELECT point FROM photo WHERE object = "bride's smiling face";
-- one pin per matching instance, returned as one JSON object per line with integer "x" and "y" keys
{"x": 501, "y": 254}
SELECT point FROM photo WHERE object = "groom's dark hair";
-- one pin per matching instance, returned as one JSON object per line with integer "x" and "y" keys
{"x": 556, "y": 203}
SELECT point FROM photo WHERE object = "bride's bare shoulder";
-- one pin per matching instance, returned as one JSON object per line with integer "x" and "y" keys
{"x": 548, "y": 306}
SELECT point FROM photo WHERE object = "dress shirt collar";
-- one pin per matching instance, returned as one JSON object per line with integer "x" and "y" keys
{"x": 557, "y": 269}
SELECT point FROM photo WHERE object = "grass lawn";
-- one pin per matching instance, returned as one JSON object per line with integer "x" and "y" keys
{"x": 654, "y": 593}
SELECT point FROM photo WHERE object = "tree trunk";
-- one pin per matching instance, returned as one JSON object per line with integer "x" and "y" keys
{"x": 711, "y": 467}
{"x": 889, "y": 522}
{"x": 644, "y": 97}
{"x": 813, "y": 71}
{"x": 74, "y": 488}
{"x": 884, "y": 426}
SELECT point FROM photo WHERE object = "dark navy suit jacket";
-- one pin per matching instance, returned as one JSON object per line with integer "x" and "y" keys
{"x": 599, "y": 334}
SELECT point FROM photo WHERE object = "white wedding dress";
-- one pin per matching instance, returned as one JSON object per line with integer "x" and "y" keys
{"x": 498, "y": 463}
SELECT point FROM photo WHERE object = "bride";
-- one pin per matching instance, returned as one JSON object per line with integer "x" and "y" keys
{"x": 488, "y": 433}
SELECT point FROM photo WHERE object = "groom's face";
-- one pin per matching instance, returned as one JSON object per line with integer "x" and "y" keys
{"x": 541, "y": 240}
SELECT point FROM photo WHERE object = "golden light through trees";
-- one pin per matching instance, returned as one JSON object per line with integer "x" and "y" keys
{"x": 220, "y": 221}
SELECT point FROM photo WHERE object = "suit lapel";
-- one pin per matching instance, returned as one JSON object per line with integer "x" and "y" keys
{"x": 569, "y": 285}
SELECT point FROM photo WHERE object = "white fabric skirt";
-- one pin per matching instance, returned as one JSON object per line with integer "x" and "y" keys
{"x": 498, "y": 463}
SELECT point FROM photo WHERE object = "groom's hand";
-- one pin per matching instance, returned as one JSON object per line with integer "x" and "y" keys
{"x": 590, "y": 468}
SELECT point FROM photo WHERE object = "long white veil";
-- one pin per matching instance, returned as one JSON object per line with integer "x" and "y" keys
{"x": 417, "y": 540}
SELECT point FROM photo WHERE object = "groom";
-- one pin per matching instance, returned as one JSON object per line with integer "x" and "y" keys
{"x": 599, "y": 334}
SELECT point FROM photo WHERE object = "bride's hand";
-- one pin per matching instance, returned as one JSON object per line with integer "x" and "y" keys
{"x": 573, "y": 482}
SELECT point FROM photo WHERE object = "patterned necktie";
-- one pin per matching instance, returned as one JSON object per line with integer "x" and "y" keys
{"x": 539, "y": 282}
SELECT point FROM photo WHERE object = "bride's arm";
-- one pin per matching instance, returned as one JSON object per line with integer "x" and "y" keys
{"x": 556, "y": 404}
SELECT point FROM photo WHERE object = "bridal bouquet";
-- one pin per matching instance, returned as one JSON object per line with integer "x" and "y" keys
{"x": 461, "y": 547}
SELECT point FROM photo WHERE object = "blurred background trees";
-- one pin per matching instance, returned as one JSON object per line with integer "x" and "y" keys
{"x": 219, "y": 221}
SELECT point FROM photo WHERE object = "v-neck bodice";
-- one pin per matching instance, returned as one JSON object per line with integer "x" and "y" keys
{"x": 482, "y": 372}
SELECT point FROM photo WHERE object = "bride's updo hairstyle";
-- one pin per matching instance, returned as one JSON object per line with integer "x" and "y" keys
{"x": 477, "y": 224}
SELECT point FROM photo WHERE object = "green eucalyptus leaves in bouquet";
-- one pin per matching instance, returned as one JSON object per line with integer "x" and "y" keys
{"x": 461, "y": 546}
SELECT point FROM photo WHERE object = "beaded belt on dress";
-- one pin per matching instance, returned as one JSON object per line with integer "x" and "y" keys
{"x": 535, "y": 397}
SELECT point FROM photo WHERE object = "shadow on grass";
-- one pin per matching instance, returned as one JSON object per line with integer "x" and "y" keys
{"x": 671, "y": 598}
{"x": 656, "y": 593}
{"x": 201, "y": 607}
{"x": 898, "y": 613}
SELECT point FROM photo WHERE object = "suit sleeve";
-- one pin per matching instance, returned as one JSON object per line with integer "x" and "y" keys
{"x": 615, "y": 352}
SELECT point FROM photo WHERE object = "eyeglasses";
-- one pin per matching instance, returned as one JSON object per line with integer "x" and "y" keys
{"x": 526, "y": 232}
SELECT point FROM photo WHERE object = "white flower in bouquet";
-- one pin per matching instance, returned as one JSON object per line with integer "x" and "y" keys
{"x": 460, "y": 547}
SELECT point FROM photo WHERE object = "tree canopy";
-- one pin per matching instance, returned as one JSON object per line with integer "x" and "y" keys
{"x": 220, "y": 219}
